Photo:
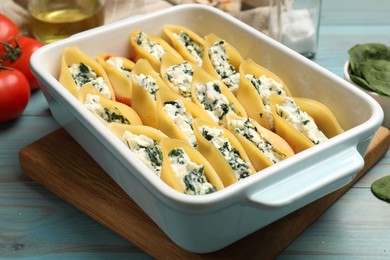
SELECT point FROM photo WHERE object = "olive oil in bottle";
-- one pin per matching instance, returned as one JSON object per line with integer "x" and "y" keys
{"x": 51, "y": 24}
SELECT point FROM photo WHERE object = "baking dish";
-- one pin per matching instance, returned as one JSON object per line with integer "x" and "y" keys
{"x": 207, "y": 223}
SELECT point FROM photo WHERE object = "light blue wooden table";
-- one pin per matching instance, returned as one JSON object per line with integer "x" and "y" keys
{"x": 37, "y": 224}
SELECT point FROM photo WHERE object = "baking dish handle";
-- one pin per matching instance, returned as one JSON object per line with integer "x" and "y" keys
{"x": 312, "y": 182}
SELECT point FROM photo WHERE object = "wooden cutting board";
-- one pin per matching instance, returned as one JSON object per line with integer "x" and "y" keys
{"x": 73, "y": 175}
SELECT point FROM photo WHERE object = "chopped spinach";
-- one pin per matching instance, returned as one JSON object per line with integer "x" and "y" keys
{"x": 195, "y": 177}
{"x": 206, "y": 134}
{"x": 113, "y": 115}
{"x": 83, "y": 68}
{"x": 231, "y": 154}
{"x": 195, "y": 180}
{"x": 155, "y": 155}
{"x": 173, "y": 103}
{"x": 194, "y": 48}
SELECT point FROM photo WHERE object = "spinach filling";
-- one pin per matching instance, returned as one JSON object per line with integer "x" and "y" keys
{"x": 84, "y": 76}
{"x": 194, "y": 178}
{"x": 231, "y": 154}
{"x": 147, "y": 149}
{"x": 155, "y": 49}
{"x": 213, "y": 101}
{"x": 249, "y": 131}
{"x": 256, "y": 82}
{"x": 149, "y": 84}
{"x": 113, "y": 115}
{"x": 182, "y": 118}
{"x": 195, "y": 49}
{"x": 180, "y": 76}
{"x": 154, "y": 154}
{"x": 221, "y": 63}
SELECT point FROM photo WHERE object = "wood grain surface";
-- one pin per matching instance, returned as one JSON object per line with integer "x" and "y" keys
{"x": 73, "y": 175}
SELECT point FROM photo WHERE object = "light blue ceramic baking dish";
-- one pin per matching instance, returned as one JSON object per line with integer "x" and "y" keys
{"x": 208, "y": 223}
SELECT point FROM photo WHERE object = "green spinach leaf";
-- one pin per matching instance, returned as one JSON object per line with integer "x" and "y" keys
{"x": 377, "y": 74}
{"x": 370, "y": 67}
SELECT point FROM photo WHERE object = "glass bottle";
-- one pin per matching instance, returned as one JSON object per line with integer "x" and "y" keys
{"x": 295, "y": 23}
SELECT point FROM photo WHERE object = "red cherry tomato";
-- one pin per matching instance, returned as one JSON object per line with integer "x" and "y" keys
{"x": 7, "y": 28}
{"x": 14, "y": 93}
{"x": 16, "y": 53}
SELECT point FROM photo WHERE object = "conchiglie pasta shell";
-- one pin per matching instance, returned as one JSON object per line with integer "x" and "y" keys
{"x": 166, "y": 124}
{"x": 126, "y": 111}
{"x": 257, "y": 158}
{"x": 324, "y": 118}
{"x": 120, "y": 83}
{"x": 202, "y": 77}
{"x": 168, "y": 61}
{"x": 169, "y": 176}
{"x": 171, "y": 30}
{"x": 297, "y": 140}
{"x": 72, "y": 55}
{"x": 248, "y": 96}
{"x": 141, "y": 53}
{"x": 235, "y": 58}
{"x": 250, "y": 67}
{"x": 215, "y": 157}
{"x": 142, "y": 102}
{"x": 153, "y": 133}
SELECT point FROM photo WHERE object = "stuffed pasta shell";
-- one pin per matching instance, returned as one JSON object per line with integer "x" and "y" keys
{"x": 257, "y": 84}
{"x": 222, "y": 60}
{"x": 297, "y": 126}
{"x": 118, "y": 71}
{"x": 144, "y": 142}
{"x": 77, "y": 70}
{"x": 263, "y": 147}
{"x": 176, "y": 115}
{"x": 189, "y": 44}
{"x": 214, "y": 97}
{"x": 186, "y": 170}
{"x": 321, "y": 114}
{"x": 223, "y": 151}
{"x": 177, "y": 74}
{"x": 108, "y": 111}
{"x": 150, "y": 47}
{"x": 145, "y": 84}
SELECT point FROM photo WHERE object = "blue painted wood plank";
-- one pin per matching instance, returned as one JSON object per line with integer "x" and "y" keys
{"x": 357, "y": 227}
{"x": 36, "y": 223}
{"x": 17, "y": 134}
{"x": 37, "y": 105}
{"x": 355, "y": 12}
{"x": 335, "y": 41}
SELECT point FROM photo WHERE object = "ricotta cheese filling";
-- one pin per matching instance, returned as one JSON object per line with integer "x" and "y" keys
{"x": 180, "y": 76}
{"x": 220, "y": 60}
{"x": 301, "y": 121}
{"x": 92, "y": 103}
{"x": 190, "y": 174}
{"x": 152, "y": 47}
{"x": 265, "y": 86}
{"x": 148, "y": 83}
{"x": 117, "y": 63}
{"x": 83, "y": 74}
{"x": 182, "y": 118}
{"x": 249, "y": 131}
{"x": 195, "y": 49}
{"x": 146, "y": 149}
{"x": 213, "y": 101}
{"x": 215, "y": 136}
